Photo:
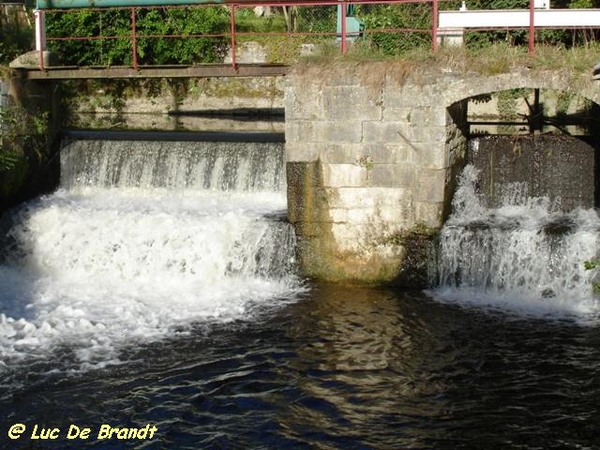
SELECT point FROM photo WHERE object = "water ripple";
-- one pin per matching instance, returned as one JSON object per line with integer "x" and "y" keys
{"x": 346, "y": 368}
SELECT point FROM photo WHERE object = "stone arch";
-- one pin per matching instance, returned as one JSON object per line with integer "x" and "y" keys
{"x": 582, "y": 167}
{"x": 464, "y": 88}
{"x": 473, "y": 85}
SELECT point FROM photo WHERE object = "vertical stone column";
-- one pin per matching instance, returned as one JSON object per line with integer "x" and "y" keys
{"x": 368, "y": 171}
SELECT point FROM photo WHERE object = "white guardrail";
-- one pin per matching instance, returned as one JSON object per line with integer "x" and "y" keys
{"x": 519, "y": 18}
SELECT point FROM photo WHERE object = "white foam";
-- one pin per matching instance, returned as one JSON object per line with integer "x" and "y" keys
{"x": 143, "y": 241}
{"x": 522, "y": 256}
{"x": 104, "y": 268}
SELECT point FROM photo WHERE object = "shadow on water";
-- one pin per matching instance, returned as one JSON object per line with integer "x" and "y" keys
{"x": 342, "y": 368}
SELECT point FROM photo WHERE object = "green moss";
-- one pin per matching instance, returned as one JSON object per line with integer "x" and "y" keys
{"x": 111, "y": 96}
{"x": 563, "y": 102}
{"x": 232, "y": 87}
{"x": 419, "y": 231}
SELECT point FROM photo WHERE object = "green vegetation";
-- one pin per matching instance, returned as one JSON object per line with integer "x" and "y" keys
{"x": 23, "y": 144}
{"x": 203, "y": 30}
{"x": 591, "y": 265}
{"x": 9, "y": 156}
{"x": 385, "y": 23}
{"x": 16, "y": 35}
{"x": 575, "y": 63}
{"x": 392, "y": 31}
{"x": 21, "y": 130}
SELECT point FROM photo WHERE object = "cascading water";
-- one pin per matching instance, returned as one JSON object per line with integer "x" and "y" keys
{"x": 142, "y": 240}
{"x": 525, "y": 255}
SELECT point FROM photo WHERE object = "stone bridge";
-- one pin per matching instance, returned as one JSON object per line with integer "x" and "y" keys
{"x": 373, "y": 151}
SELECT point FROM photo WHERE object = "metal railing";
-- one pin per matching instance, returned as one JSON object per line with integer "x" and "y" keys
{"x": 291, "y": 23}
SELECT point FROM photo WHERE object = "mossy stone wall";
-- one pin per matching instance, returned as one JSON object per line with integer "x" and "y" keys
{"x": 30, "y": 125}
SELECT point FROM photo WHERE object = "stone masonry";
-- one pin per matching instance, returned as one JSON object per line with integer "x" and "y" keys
{"x": 373, "y": 151}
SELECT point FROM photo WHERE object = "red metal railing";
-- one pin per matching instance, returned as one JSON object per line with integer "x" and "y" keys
{"x": 235, "y": 35}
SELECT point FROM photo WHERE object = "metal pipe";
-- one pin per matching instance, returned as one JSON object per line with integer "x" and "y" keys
{"x": 40, "y": 34}
{"x": 531, "y": 26}
{"x": 434, "y": 26}
{"x": 232, "y": 28}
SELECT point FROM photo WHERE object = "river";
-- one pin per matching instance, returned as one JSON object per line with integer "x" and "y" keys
{"x": 163, "y": 310}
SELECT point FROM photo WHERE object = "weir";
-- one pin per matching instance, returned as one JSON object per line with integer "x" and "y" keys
{"x": 524, "y": 253}
{"x": 372, "y": 157}
{"x": 186, "y": 165}
{"x": 144, "y": 239}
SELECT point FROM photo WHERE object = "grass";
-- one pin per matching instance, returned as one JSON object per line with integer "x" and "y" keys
{"x": 575, "y": 64}
{"x": 491, "y": 60}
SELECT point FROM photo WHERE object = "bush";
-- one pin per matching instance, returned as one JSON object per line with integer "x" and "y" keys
{"x": 113, "y": 29}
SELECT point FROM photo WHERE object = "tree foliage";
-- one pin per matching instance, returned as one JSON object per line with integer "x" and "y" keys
{"x": 391, "y": 30}
{"x": 16, "y": 37}
{"x": 397, "y": 28}
{"x": 202, "y": 31}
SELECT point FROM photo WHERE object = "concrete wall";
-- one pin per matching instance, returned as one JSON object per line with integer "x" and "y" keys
{"x": 168, "y": 96}
{"x": 560, "y": 168}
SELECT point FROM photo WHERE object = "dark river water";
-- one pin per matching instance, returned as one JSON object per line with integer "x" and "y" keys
{"x": 153, "y": 302}
{"x": 341, "y": 368}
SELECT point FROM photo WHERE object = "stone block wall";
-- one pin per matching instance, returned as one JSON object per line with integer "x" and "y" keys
{"x": 560, "y": 168}
{"x": 28, "y": 128}
{"x": 371, "y": 164}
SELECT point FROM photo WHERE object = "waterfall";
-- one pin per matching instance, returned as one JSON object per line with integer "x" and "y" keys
{"x": 525, "y": 254}
{"x": 231, "y": 166}
{"x": 144, "y": 239}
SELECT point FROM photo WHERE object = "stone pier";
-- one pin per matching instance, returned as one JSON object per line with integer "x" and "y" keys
{"x": 373, "y": 151}
{"x": 370, "y": 168}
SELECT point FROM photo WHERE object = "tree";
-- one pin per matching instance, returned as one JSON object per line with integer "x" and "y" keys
{"x": 110, "y": 35}
{"x": 16, "y": 34}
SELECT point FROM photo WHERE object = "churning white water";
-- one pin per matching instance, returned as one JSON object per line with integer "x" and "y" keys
{"x": 143, "y": 240}
{"x": 525, "y": 255}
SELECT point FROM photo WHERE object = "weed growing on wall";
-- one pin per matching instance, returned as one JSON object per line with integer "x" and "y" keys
{"x": 593, "y": 265}
{"x": 21, "y": 131}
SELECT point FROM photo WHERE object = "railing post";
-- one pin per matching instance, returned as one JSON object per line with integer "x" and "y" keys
{"x": 40, "y": 34}
{"x": 344, "y": 44}
{"x": 434, "y": 25}
{"x": 134, "y": 40}
{"x": 232, "y": 28}
{"x": 531, "y": 26}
